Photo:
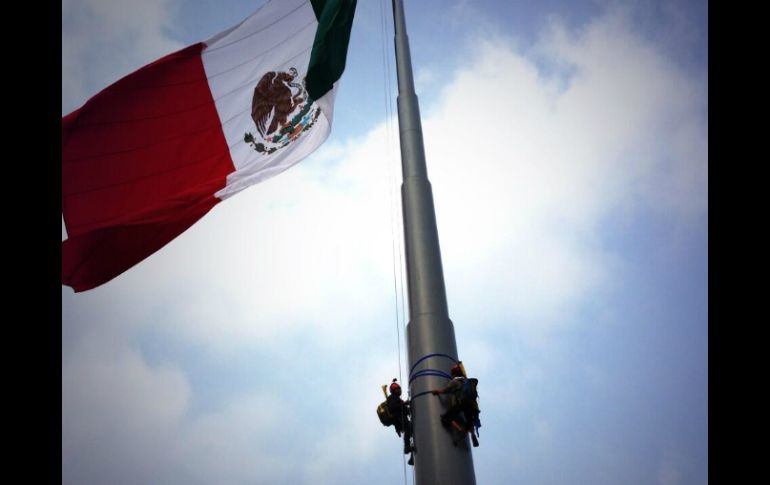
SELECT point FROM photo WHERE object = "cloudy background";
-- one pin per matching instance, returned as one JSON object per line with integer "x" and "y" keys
{"x": 567, "y": 145}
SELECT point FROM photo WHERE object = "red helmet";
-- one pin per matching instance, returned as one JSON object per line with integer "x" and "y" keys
{"x": 395, "y": 387}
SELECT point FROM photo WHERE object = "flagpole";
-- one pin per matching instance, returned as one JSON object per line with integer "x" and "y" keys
{"x": 430, "y": 333}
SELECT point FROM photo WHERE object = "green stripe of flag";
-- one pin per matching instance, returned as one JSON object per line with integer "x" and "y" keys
{"x": 330, "y": 47}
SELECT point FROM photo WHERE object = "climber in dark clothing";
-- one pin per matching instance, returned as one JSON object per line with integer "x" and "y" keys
{"x": 463, "y": 409}
{"x": 399, "y": 410}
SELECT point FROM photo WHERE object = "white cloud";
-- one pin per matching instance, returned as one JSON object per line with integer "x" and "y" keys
{"x": 243, "y": 443}
{"x": 525, "y": 173}
{"x": 103, "y": 40}
{"x": 119, "y": 416}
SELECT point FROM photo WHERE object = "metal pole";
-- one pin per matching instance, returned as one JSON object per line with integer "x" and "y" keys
{"x": 437, "y": 460}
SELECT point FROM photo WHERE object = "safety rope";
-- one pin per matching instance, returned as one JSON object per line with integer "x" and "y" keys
{"x": 389, "y": 151}
{"x": 387, "y": 100}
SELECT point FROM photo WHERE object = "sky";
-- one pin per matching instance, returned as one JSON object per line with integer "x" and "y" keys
{"x": 567, "y": 148}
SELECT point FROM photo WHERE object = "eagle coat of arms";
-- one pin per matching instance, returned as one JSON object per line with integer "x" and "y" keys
{"x": 281, "y": 110}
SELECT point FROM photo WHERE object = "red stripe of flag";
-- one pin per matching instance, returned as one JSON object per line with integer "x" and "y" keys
{"x": 141, "y": 162}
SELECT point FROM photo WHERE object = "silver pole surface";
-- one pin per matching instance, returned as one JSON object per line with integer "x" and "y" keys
{"x": 437, "y": 460}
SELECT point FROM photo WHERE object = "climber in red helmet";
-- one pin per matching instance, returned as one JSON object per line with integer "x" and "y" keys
{"x": 399, "y": 410}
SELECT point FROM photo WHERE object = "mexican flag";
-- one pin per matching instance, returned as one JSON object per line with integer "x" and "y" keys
{"x": 148, "y": 156}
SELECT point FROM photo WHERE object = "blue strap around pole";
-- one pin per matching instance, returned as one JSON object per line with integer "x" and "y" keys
{"x": 429, "y": 372}
{"x": 428, "y": 357}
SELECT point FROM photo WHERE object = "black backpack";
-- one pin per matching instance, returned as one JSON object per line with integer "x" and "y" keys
{"x": 383, "y": 412}
{"x": 467, "y": 393}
